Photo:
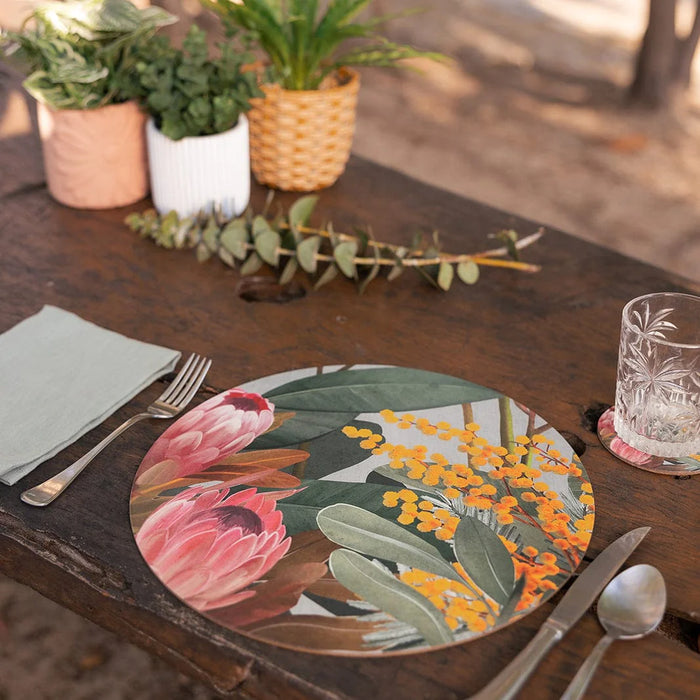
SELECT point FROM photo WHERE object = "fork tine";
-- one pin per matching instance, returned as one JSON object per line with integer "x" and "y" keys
{"x": 182, "y": 376}
{"x": 195, "y": 383}
{"x": 184, "y": 386}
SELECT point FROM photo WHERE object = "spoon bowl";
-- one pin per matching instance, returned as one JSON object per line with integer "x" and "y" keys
{"x": 631, "y": 606}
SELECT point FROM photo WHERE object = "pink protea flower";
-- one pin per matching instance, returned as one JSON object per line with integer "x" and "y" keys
{"x": 606, "y": 430}
{"x": 218, "y": 427}
{"x": 631, "y": 454}
{"x": 206, "y": 546}
{"x": 606, "y": 422}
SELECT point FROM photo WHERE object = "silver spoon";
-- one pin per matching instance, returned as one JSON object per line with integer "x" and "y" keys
{"x": 630, "y": 607}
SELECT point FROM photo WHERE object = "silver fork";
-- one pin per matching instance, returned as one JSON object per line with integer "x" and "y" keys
{"x": 171, "y": 402}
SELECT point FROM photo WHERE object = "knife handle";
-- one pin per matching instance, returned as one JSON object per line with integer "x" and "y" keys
{"x": 509, "y": 681}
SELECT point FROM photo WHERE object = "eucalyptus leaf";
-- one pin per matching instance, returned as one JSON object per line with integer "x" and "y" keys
{"x": 306, "y": 253}
{"x": 300, "y": 212}
{"x": 395, "y": 272}
{"x": 365, "y": 532}
{"x": 234, "y": 237}
{"x": 267, "y": 246}
{"x": 510, "y": 238}
{"x": 260, "y": 226}
{"x": 203, "y": 252}
{"x": 330, "y": 273}
{"x": 445, "y": 275}
{"x": 374, "y": 271}
{"x": 387, "y": 593}
{"x": 252, "y": 264}
{"x": 276, "y": 240}
{"x": 468, "y": 272}
{"x": 288, "y": 272}
{"x": 344, "y": 256}
{"x": 485, "y": 558}
{"x": 226, "y": 257}
{"x": 210, "y": 235}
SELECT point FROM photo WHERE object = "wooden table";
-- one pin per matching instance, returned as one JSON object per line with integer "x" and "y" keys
{"x": 549, "y": 339}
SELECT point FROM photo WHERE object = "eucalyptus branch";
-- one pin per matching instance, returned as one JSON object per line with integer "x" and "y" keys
{"x": 287, "y": 243}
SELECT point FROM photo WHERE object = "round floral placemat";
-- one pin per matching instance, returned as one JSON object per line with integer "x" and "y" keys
{"x": 362, "y": 510}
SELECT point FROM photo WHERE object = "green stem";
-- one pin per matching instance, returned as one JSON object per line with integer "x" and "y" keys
{"x": 506, "y": 424}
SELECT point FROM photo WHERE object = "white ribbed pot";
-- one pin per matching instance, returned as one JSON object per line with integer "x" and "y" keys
{"x": 200, "y": 172}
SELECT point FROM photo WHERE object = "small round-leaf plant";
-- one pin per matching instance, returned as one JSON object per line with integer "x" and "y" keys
{"x": 187, "y": 91}
{"x": 287, "y": 243}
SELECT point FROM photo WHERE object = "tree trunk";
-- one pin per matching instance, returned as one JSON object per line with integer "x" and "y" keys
{"x": 686, "y": 51}
{"x": 664, "y": 61}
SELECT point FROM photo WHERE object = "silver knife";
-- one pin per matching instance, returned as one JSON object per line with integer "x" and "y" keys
{"x": 571, "y": 607}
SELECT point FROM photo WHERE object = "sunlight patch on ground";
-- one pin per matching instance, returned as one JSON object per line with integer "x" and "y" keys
{"x": 433, "y": 89}
{"x": 495, "y": 47}
{"x": 624, "y": 18}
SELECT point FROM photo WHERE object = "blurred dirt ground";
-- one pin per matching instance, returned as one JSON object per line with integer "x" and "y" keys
{"x": 530, "y": 117}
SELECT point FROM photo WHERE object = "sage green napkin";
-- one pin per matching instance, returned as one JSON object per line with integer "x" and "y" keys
{"x": 60, "y": 376}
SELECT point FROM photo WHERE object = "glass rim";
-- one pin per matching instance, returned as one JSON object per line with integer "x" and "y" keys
{"x": 661, "y": 341}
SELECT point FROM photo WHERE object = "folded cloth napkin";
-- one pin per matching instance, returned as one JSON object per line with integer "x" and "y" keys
{"x": 60, "y": 376}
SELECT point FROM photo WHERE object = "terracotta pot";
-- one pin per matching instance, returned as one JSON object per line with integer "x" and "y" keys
{"x": 198, "y": 173}
{"x": 94, "y": 158}
{"x": 300, "y": 140}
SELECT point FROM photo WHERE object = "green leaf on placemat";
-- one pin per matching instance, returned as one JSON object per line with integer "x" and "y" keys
{"x": 325, "y": 402}
{"x": 376, "y": 388}
{"x": 508, "y": 610}
{"x": 301, "y": 427}
{"x": 379, "y": 587}
{"x": 485, "y": 558}
{"x": 358, "y": 529}
{"x": 299, "y": 511}
{"x": 334, "y": 450}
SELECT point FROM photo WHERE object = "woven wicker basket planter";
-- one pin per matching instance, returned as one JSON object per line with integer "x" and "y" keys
{"x": 300, "y": 139}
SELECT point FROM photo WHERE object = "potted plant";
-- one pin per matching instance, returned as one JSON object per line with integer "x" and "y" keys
{"x": 79, "y": 58}
{"x": 197, "y": 134}
{"x": 301, "y": 132}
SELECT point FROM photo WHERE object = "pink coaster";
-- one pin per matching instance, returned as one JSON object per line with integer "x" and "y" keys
{"x": 660, "y": 465}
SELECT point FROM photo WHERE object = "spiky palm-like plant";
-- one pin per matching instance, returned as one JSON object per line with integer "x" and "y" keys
{"x": 305, "y": 40}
